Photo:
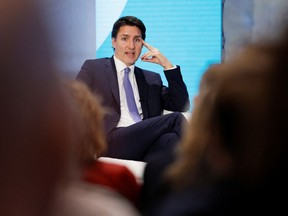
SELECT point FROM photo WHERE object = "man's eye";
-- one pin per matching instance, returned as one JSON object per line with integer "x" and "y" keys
{"x": 124, "y": 39}
{"x": 137, "y": 40}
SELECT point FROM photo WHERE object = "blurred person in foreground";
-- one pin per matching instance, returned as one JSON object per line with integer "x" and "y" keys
{"x": 92, "y": 145}
{"x": 144, "y": 133}
{"x": 37, "y": 134}
{"x": 154, "y": 182}
{"x": 35, "y": 129}
{"x": 233, "y": 158}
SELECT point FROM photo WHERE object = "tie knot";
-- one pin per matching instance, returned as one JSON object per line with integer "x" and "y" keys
{"x": 127, "y": 70}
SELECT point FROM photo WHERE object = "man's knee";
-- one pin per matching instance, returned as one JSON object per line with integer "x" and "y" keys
{"x": 177, "y": 123}
{"x": 166, "y": 142}
{"x": 164, "y": 145}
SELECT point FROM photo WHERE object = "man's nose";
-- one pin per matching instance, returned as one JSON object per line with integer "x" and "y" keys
{"x": 131, "y": 44}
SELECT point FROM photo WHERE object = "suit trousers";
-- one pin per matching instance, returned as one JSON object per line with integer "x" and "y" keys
{"x": 147, "y": 139}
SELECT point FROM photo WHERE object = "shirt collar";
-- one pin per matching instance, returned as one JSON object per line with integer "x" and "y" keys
{"x": 120, "y": 66}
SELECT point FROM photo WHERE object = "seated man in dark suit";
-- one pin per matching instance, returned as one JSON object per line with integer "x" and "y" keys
{"x": 135, "y": 127}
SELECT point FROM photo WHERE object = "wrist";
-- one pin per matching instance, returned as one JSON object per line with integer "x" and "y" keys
{"x": 170, "y": 67}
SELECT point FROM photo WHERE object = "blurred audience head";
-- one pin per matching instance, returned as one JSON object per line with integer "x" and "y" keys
{"x": 239, "y": 125}
{"x": 92, "y": 143}
{"x": 35, "y": 128}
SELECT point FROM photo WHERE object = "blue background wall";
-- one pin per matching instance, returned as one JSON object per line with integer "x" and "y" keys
{"x": 187, "y": 32}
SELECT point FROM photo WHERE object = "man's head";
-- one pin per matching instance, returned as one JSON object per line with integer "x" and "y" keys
{"x": 127, "y": 35}
{"x": 130, "y": 21}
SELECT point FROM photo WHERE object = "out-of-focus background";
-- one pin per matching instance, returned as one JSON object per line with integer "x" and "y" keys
{"x": 191, "y": 33}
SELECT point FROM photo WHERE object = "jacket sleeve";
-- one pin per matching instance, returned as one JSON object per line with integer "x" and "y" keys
{"x": 175, "y": 97}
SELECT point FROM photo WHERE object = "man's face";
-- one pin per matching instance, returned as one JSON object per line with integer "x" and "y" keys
{"x": 128, "y": 44}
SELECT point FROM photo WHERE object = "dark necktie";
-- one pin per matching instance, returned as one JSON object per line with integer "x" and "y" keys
{"x": 130, "y": 96}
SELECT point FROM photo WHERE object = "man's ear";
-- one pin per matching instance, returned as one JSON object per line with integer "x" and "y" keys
{"x": 113, "y": 42}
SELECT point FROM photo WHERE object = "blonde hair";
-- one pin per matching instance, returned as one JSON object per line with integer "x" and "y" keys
{"x": 92, "y": 143}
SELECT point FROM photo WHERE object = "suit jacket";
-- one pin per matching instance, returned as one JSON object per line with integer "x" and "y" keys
{"x": 100, "y": 76}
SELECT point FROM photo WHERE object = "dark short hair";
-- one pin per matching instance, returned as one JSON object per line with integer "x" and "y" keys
{"x": 131, "y": 21}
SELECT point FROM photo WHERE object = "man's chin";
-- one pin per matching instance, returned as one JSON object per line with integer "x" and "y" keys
{"x": 131, "y": 61}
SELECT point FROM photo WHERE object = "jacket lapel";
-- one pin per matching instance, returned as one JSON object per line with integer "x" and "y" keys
{"x": 142, "y": 88}
{"x": 110, "y": 70}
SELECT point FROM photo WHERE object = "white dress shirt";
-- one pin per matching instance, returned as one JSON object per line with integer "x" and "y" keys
{"x": 125, "y": 117}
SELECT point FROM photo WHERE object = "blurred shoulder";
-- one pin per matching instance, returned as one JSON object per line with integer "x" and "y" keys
{"x": 89, "y": 200}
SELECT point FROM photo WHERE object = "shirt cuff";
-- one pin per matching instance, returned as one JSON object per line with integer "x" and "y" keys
{"x": 171, "y": 68}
